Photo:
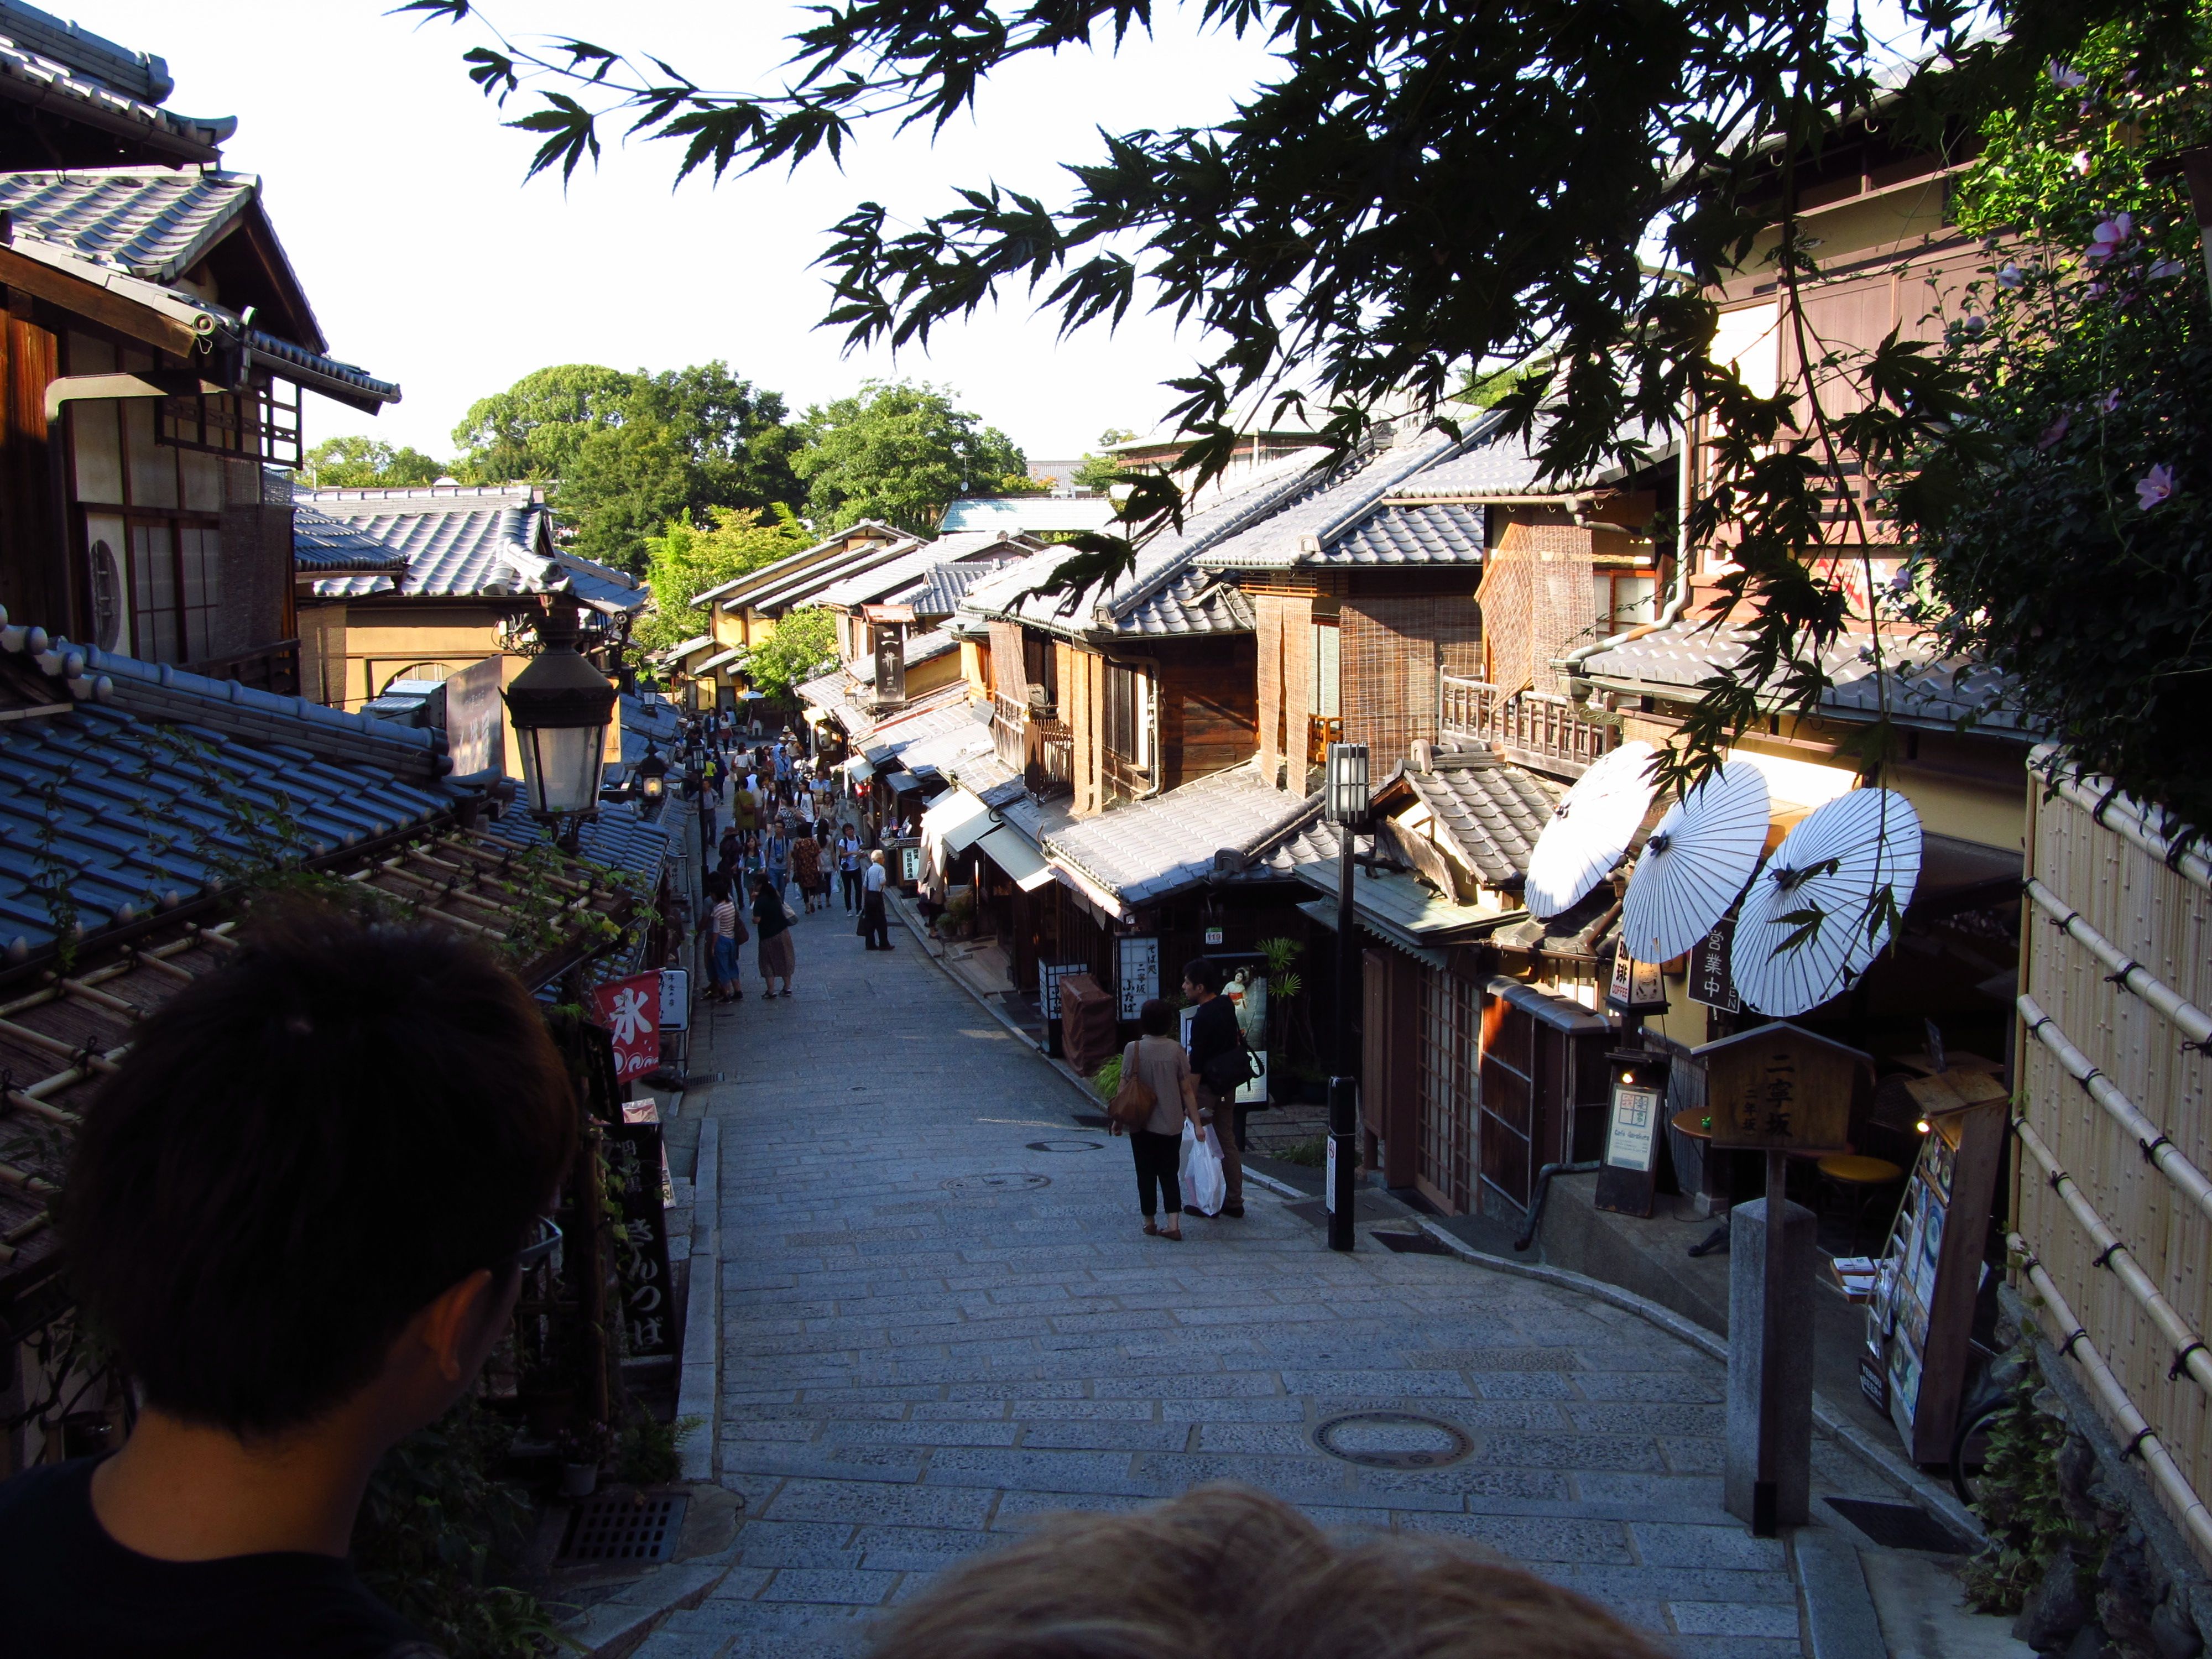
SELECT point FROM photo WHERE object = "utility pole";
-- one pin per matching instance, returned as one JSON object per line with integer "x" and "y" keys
{"x": 1345, "y": 801}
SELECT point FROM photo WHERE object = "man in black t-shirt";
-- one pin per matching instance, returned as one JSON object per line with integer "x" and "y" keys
{"x": 1214, "y": 1037}
{"x": 299, "y": 1213}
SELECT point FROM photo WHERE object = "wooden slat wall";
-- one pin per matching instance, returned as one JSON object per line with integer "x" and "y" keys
{"x": 1207, "y": 717}
{"x": 33, "y": 580}
{"x": 2165, "y": 922}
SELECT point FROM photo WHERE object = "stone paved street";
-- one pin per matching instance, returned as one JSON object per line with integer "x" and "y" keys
{"x": 940, "y": 1319}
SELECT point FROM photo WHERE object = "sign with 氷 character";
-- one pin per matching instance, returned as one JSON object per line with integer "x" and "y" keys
{"x": 1781, "y": 1088}
{"x": 630, "y": 1011}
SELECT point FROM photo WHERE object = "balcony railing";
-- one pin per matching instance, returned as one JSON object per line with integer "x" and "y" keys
{"x": 1531, "y": 728}
{"x": 1052, "y": 758}
{"x": 1010, "y": 732}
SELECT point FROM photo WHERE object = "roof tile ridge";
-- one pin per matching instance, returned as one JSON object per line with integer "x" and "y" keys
{"x": 1273, "y": 498}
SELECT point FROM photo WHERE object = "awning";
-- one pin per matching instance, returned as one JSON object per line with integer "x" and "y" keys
{"x": 899, "y": 783}
{"x": 1011, "y": 851}
{"x": 859, "y": 769}
{"x": 720, "y": 660}
{"x": 951, "y": 810}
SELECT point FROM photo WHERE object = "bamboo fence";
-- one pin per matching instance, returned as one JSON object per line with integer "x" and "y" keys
{"x": 2113, "y": 1207}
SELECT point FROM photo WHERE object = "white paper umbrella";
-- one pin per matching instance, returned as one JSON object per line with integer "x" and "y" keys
{"x": 1695, "y": 863}
{"x": 1591, "y": 829}
{"x": 1815, "y": 916}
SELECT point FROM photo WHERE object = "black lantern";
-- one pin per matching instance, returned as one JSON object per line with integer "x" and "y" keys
{"x": 652, "y": 777}
{"x": 1345, "y": 795}
{"x": 561, "y": 707}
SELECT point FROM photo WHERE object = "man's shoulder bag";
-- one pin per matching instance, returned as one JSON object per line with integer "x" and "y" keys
{"x": 1133, "y": 1103}
{"x": 1229, "y": 1070}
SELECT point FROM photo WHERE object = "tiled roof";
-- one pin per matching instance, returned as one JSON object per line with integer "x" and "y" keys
{"x": 469, "y": 541}
{"x": 110, "y": 86}
{"x": 823, "y": 553}
{"x": 1488, "y": 466}
{"x": 1438, "y": 533}
{"x": 924, "y": 646}
{"x": 130, "y": 803}
{"x": 615, "y": 838}
{"x": 153, "y": 223}
{"x": 690, "y": 648}
{"x": 933, "y": 715}
{"x": 1399, "y": 906}
{"x": 327, "y": 545}
{"x": 1493, "y": 813}
{"x": 1150, "y": 848}
{"x": 879, "y": 581}
{"x": 1300, "y": 531}
{"x": 1159, "y": 596}
{"x": 939, "y": 593}
{"x": 138, "y": 233}
{"x": 1920, "y": 687}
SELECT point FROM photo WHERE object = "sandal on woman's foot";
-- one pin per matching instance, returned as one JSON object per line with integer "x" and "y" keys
{"x": 1151, "y": 1227}
{"x": 1175, "y": 1237}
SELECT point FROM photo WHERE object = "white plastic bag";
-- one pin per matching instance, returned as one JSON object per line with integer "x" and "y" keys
{"x": 1204, "y": 1186}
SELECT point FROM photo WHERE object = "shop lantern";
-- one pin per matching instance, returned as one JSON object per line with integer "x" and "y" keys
{"x": 1346, "y": 795}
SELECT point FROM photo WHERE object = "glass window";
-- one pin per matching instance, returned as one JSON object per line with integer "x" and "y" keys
{"x": 154, "y": 593}
{"x": 200, "y": 566}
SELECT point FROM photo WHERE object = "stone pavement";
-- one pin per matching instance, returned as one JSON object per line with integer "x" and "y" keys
{"x": 940, "y": 1319}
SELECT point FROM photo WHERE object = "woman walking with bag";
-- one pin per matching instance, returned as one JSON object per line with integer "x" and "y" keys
{"x": 1157, "y": 1066}
{"x": 806, "y": 865}
{"x": 778, "y": 960}
{"x": 728, "y": 933}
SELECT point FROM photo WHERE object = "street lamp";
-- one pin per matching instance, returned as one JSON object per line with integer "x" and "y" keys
{"x": 561, "y": 707}
{"x": 652, "y": 777}
{"x": 1347, "y": 799}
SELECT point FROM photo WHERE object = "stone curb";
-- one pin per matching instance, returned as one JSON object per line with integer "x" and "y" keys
{"x": 618, "y": 1624}
{"x": 699, "y": 1388}
{"x": 1892, "y": 1468}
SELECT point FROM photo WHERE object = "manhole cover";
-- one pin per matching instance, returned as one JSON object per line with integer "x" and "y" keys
{"x": 1065, "y": 1145}
{"x": 999, "y": 1184}
{"x": 1393, "y": 1440}
{"x": 615, "y": 1528}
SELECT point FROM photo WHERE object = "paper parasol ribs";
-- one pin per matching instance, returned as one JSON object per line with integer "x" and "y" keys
{"x": 1591, "y": 829}
{"x": 1822, "y": 909}
{"x": 1695, "y": 863}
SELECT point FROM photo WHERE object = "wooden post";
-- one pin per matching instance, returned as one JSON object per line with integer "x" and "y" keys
{"x": 587, "y": 1266}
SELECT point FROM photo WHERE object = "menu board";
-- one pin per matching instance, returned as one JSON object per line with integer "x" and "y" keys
{"x": 1925, "y": 1284}
{"x": 1140, "y": 962}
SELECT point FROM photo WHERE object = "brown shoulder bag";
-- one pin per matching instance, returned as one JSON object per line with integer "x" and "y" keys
{"x": 1133, "y": 1103}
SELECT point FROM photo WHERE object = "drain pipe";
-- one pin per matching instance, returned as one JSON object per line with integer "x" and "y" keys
{"x": 1543, "y": 1190}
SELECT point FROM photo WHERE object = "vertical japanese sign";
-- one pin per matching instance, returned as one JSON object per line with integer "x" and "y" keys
{"x": 630, "y": 1011}
{"x": 1140, "y": 979}
{"x": 1781, "y": 1088}
{"x": 1049, "y": 973}
{"x": 641, "y": 1255}
{"x": 1711, "y": 981}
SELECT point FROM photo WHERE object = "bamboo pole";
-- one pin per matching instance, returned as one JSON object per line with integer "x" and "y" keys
{"x": 2190, "y": 1354}
{"x": 2155, "y": 1146}
{"x": 2142, "y": 1441}
{"x": 2124, "y": 819}
{"x": 2127, "y": 973}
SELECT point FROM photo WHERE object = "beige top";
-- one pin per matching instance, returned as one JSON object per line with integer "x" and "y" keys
{"x": 1163, "y": 1064}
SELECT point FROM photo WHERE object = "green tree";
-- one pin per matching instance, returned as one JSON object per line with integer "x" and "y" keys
{"x": 899, "y": 450}
{"x": 803, "y": 645}
{"x": 1102, "y": 472}
{"x": 354, "y": 463}
{"x": 628, "y": 453}
{"x": 2065, "y": 533}
{"x": 534, "y": 428}
{"x": 683, "y": 562}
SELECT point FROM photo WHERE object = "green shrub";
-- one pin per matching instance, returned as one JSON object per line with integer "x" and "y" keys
{"x": 1313, "y": 1154}
{"x": 2019, "y": 1503}
{"x": 647, "y": 1456}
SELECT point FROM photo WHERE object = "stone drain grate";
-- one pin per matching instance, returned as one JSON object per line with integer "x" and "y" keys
{"x": 1393, "y": 1440}
{"x": 623, "y": 1528}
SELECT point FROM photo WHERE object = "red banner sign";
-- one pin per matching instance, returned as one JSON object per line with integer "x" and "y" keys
{"x": 630, "y": 1009}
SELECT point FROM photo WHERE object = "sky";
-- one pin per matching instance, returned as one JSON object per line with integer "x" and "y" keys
{"x": 400, "y": 199}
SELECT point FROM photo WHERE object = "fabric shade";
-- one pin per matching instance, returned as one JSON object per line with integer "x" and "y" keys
{"x": 859, "y": 769}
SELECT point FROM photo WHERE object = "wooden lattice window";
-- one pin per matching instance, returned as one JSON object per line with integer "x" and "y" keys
{"x": 1447, "y": 1048}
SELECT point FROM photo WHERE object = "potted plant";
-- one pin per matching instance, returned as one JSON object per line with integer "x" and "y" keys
{"x": 582, "y": 1448}
{"x": 959, "y": 913}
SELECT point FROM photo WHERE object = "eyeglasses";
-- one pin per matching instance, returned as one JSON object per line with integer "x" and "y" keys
{"x": 548, "y": 1241}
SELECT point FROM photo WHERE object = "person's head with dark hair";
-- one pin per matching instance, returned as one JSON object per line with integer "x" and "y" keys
{"x": 1157, "y": 1018}
{"x": 1204, "y": 973}
{"x": 1232, "y": 1573}
{"x": 297, "y": 1211}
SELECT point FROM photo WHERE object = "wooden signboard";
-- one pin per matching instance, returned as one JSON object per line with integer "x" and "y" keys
{"x": 1923, "y": 1301}
{"x": 1781, "y": 1089}
{"x": 634, "y": 1156}
{"x": 1636, "y": 1113}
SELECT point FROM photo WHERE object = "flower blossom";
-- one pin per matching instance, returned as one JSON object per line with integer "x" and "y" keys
{"x": 2064, "y": 75}
{"x": 2110, "y": 237}
{"x": 2011, "y": 277}
{"x": 2081, "y": 162}
{"x": 2054, "y": 431}
{"x": 2110, "y": 401}
{"x": 2154, "y": 487}
{"x": 2164, "y": 268}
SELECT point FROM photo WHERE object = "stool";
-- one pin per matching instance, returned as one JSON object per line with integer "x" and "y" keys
{"x": 1851, "y": 1174}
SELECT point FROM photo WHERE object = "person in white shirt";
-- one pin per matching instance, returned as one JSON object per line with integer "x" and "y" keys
{"x": 874, "y": 922}
{"x": 848, "y": 868}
